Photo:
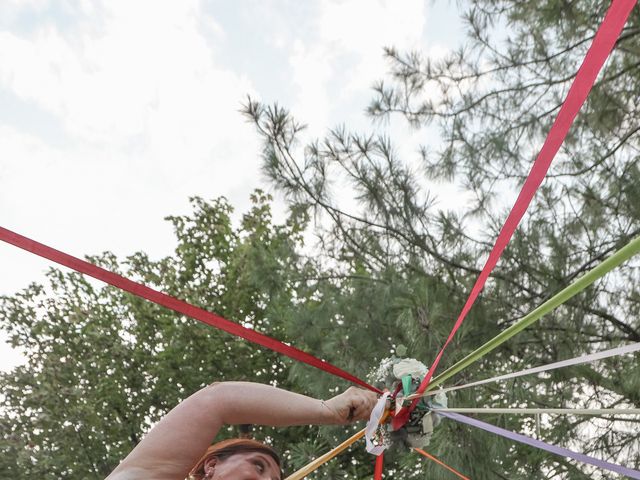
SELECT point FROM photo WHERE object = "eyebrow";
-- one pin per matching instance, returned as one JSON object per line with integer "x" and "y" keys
{"x": 266, "y": 458}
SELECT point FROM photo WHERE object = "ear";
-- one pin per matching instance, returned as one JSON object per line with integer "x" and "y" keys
{"x": 209, "y": 465}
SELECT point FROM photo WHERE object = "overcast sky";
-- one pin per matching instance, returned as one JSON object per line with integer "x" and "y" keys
{"x": 113, "y": 113}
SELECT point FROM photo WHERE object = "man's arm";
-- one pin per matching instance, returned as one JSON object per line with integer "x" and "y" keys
{"x": 177, "y": 442}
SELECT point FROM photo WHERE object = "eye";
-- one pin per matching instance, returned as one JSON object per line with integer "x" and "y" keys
{"x": 260, "y": 466}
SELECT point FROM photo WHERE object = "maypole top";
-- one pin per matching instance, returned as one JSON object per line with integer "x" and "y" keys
{"x": 401, "y": 377}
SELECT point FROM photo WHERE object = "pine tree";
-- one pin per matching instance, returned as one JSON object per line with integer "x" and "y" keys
{"x": 103, "y": 365}
{"x": 493, "y": 102}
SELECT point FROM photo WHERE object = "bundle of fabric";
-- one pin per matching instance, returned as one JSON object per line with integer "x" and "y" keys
{"x": 402, "y": 376}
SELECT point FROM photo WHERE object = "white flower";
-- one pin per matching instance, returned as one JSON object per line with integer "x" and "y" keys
{"x": 409, "y": 366}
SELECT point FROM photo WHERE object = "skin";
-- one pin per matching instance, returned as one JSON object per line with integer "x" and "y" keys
{"x": 244, "y": 466}
{"x": 178, "y": 441}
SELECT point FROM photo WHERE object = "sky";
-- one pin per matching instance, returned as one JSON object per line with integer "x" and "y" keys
{"x": 113, "y": 113}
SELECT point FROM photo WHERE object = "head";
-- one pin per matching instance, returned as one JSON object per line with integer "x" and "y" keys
{"x": 238, "y": 459}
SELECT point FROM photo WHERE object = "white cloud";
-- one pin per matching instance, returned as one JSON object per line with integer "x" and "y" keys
{"x": 149, "y": 113}
{"x": 151, "y": 120}
{"x": 108, "y": 84}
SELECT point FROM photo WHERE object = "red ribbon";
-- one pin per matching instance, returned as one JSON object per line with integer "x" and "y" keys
{"x": 600, "y": 49}
{"x": 377, "y": 473}
{"x": 175, "y": 304}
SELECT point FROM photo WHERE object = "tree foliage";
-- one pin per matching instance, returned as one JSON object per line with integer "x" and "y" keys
{"x": 103, "y": 365}
{"x": 393, "y": 269}
{"x": 493, "y": 102}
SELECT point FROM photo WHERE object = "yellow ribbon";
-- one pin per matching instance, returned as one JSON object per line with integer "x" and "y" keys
{"x": 442, "y": 464}
{"x": 318, "y": 462}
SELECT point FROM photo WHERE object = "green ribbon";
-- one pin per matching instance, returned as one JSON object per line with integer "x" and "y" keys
{"x": 406, "y": 385}
{"x": 626, "y": 252}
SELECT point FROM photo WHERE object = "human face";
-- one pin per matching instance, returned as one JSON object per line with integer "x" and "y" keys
{"x": 246, "y": 466}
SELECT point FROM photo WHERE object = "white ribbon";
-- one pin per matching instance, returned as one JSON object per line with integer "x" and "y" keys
{"x": 634, "y": 347}
{"x": 372, "y": 425}
{"x": 538, "y": 411}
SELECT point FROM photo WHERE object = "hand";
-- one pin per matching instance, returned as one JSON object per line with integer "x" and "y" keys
{"x": 351, "y": 405}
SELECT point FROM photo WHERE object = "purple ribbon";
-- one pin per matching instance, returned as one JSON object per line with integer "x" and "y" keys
{"x": 544, "y": 446}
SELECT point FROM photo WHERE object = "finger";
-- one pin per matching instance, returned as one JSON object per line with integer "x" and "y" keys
{"x": 361, "y": 403}
{"x": 352, "y": 412}
{"x": 368, "y": 402}
{"x": 365, "y": 406}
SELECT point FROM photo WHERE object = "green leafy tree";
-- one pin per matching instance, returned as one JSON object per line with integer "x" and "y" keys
{"x": 396, "y": 269}
{"x": 103, "y": 366}
{"x": 407, "y": 266}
